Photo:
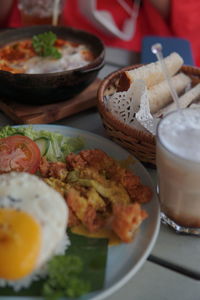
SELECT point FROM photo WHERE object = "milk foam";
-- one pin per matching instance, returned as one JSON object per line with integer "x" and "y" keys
{"x": 179, "y": 132}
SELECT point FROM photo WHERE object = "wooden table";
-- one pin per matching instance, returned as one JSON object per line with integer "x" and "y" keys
{"x": 172, "y": 271}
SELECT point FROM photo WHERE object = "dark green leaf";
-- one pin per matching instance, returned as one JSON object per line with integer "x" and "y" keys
{"x": 43, "y": 45}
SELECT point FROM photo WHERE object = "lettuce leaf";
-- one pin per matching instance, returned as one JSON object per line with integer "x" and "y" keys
{"x": 59, "y": 147}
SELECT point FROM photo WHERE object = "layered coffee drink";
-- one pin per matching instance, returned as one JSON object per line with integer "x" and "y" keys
{"x": 178, "y": 164}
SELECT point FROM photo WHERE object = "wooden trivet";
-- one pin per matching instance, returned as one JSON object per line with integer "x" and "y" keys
{"x": 41, "y": 114}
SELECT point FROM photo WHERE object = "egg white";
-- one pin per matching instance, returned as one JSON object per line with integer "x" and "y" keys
{"x": 71, "y": 59}
{"x": 31, "y": 194}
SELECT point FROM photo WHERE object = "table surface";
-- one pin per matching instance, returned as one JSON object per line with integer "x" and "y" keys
{"x": 172, "y": 271}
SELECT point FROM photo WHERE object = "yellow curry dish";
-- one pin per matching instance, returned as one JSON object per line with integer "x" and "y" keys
{"x": 100, "y": 194}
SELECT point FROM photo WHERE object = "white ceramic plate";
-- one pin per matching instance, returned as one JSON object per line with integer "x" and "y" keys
{"x": 123, "y": 260}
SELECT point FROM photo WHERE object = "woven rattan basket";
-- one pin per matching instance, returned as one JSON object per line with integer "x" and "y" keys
{"x": 140, "y": 143}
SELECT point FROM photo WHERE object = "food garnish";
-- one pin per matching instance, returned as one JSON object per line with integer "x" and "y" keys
{"x": 19, "y": 153}
{"x": 43, "y": 45}
{"x": 53, "y": 145}
{"x": 64, "y": 278}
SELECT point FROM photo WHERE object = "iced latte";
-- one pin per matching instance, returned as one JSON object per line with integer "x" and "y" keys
{"x": 178, "y": 164}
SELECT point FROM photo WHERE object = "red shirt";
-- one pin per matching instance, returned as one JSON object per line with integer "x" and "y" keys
{"x": 184, "y": 21}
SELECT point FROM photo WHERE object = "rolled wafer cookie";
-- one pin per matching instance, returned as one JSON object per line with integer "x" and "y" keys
{"x": 159, "y": 95}
{"x": 151, "y": 73}
{"x": 184, "y": 101}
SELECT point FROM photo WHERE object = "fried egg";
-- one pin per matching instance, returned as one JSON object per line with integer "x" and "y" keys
{"x": 33, "y": 222}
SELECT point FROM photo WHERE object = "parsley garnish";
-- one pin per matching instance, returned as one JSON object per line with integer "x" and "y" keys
{"x": 43, "y": 45}
{"x": 64, "y": 278}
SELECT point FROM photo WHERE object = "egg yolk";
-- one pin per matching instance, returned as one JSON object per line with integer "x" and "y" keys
{"x": 20, "y": 242}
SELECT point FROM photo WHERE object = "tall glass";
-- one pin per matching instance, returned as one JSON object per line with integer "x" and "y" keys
{"x": 178, "y": 166}
{"x": 40, "y": 12}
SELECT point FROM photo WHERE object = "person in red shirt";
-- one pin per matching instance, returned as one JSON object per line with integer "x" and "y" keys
{"x": 176, "y": 18}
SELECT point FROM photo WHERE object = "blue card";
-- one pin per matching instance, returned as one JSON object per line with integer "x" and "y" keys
{"x": 169, "y": 44}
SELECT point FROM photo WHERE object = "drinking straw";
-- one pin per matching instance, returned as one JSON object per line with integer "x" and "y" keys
{"x": 157, "y": 50}
{"x": 55, "y": 12}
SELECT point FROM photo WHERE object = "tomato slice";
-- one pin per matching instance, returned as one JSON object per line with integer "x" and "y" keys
{"x": 19, "y": 153}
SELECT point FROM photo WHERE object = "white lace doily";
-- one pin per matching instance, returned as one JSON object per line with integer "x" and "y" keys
{"x": 132, "y": 107}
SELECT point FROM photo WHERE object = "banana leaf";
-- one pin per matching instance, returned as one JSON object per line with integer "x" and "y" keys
{"x": 93, "y": 254}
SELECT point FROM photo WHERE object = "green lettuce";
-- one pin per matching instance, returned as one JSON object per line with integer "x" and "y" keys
{"x": 59, "y": 146}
